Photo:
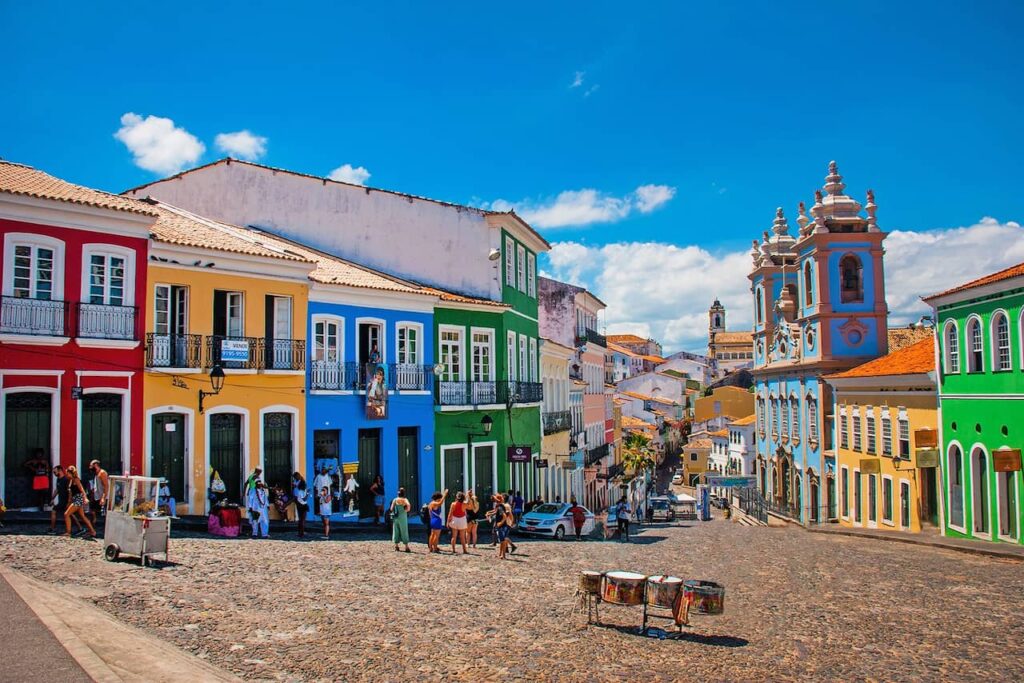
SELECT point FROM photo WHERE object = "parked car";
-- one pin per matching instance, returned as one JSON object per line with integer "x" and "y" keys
{"x": 659, "y": 509}
{"x": 720, "y": 502}
{"x": 554, "y": 520}
{"x": 677, "y": 480}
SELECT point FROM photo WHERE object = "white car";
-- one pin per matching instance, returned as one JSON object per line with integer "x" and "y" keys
{"x": 677, "y": 480}
{"x": 554, "y": 520}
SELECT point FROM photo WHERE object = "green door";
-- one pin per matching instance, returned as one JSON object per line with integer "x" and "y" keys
{"x": 226, "y": 452}
{"x": 369, "y": 468}
{"x": 26, "y": 429}
{"x": 454, "y": 471}
{"x": 167, "y": 451}
{"x": 101, "y": 431}
{"x": 409, "y": 464}
{"x": 277, "y": 450}
{"x": 483, "y": 474}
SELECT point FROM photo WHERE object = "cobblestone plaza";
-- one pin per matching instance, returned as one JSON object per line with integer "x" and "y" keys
{"x": 798, "y": 606}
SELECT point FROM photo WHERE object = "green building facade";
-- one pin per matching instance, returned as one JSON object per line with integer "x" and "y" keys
{"x": 488, "y": 393}
{"x": 980, "y": 333}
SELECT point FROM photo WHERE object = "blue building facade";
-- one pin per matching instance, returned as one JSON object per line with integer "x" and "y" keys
{"x": 819, "y": 308}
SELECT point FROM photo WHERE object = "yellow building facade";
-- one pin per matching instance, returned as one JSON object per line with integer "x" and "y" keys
{"x": 886, "y": 418}
{"x": 730, "y": 402}
{"x": 227, "y": 297}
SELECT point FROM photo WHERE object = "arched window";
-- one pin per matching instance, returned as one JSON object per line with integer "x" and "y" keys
{"x": 952, "y": 350}
{"x": 812, "y": 418}
{"x": 808, "y": 285}
{"x": 979, "y": 491}
{"x": 975, "y": 349}
{"x": 1001, "y": 342}
{"x": 759, "y": 305}
{"x": 851, "y": 279}
{"x": 955, "y": 469}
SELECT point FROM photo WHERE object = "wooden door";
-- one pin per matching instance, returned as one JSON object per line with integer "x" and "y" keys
{"x": 409, "y": 464}
{"x": 277, "y": 449}
{"x": 101, "y": 432}
{"x": 369, "y": 468}
{"x": 226, "y": 452}
{"x": 167, "y": 451}
{"x": 26, "y": 429}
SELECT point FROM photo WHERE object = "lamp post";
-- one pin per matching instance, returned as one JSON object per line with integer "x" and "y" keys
{"x": 216, "y": 381}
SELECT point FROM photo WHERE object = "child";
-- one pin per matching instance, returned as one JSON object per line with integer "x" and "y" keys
{"x": 325, "y": 510}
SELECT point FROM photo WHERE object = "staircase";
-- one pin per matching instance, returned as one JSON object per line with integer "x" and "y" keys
{"x": 749, "y": 508}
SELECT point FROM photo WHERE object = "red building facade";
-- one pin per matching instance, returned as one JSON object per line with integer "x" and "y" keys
{"x": 72, "y": 280}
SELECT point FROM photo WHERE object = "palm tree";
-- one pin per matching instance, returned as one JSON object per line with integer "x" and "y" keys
{"x": 637, "y": 454}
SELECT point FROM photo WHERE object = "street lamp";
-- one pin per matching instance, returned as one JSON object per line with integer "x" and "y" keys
{"x": 217, "y": 381}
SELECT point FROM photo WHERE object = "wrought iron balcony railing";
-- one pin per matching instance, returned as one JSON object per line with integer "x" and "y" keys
{"x": 173, "y": 350}
{"x": 555, "y": 422}
{"x": 589, "y": 335}
{"x": 283, "y": 354}
{"x": 410, "y": 377}
{"x": 595, "y": 454}
{"x": 526, "y": 392}
{"x": 611, "y": 471}
{"x": 329, "y": 375}
{"x": 37, "y": 317}
{"x": 234, "y": 353}
{"x": 102, "y": 321}
{"x": 457, "y": 393}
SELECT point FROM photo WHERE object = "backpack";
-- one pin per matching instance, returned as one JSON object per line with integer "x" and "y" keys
{"x": 425, "y": 514}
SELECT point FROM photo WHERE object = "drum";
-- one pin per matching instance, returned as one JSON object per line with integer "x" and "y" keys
{"x": 662, "y": 591}
{"x": 704, "y": 597}
{"x": 624, "y": 588}
{"x": 590, "y": 583}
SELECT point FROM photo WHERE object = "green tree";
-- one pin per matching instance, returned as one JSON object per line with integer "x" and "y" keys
{"x": 637, "y": 454}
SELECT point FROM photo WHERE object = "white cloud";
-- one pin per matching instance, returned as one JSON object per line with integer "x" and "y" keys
{"x": 591, "y": 90}
{"x": 664, "y": 290}
{"x": 577, "y": 80}
{"x": 574, "y": 208}
{"x": 242, "y": 144}
{"x": 357, "y": 175}
{"x": 157, "y": 144}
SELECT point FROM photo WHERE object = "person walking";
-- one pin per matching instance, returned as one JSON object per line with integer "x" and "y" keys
{"x": 457, "y": 521}
{"x": 622, "y": 513}
{"x": 258, "y": 504}
{"x": 76, "y": 506}
{"x": 400, "y": 508}
{"x": 99, "y": 489}
{"x": 472, "y": 517}
{"x": 377, "y": 491}
{"x": 300, "y": 494}
{"x": 579, "y": 517}
{"x": 436, "y": 523}
{"x": 61, "y": 498}
{"x": 503, "y": 525}
{"x": 324, "y": 505}
{"x": 517, "y": 506}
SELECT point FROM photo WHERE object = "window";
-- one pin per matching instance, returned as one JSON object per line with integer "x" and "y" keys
{"x": 36, "y": 271}
{"x": 872, "y": 445}
{"x": 760, "y": 415}
{"x": 228, "y": 314}
{"x": 903, "y": 427}
{"x": 952, "y": 354}
{"x": 510, "y": 262}
{"x": 905, "y": 504}
{"x": 886, "y": 433}
{"x": 784, "y": 430}
{"x": 759, "y": 305}
{"x": 408, "y": 343}
{"x": 170, "y": 310}
{"x": 812, "y": 418}
{"x": 975, "y": 354}
{"x": 483, "y": 365}
{"x": 106, "y": 280}
{"x": 851, "y": 279}
{"x": 794, "y": 412}
{"x": 327, "y": 340}
{"x": 451, "y": 355}
{"x": 511, "y": 360}
{"x": 887, "y": 500}
{"x": 533, "y": 359}
{"x": 857, "y": 444}
{"x": 523, "y": 375}
{"x": 808, "y": 285}
{"x": 1001, "y": 341}
{"x": 844, "y": 492}
{"x": 531, "y": 274}
{"x": 844, "y": 437}
{"x": 521, "y": 267}
{"x": 858, "y": 515}
{"x": 775, "y": 415}
{"x": 872, "y": 498}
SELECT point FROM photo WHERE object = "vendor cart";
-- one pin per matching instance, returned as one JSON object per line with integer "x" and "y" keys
{"x": 134, "y": 523}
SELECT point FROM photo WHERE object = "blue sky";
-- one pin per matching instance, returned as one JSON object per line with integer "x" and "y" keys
{"x": 725, "y": 109}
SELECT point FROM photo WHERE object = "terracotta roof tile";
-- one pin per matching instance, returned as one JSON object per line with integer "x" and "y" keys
{"x": 698, "y": 443}
{"x": 630, "y": 421}
{"x": 734, "y": 337}
{"x": 1005, "y": 274}
{"x": 621, "y": 349}
{"x": 654, "y": 359}
{"x": 445, "y": 295}
{"x": 744, "y": 421}
{"x": 721, "y": 432}
{"x": 902, "y": 337}
{"x": 26, "y": 181}
{"x": 916, "y": 359}
{"x": 628, "y": 338}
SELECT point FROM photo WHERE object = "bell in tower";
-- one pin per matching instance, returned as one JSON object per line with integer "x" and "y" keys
{"x": 716, "y": 317}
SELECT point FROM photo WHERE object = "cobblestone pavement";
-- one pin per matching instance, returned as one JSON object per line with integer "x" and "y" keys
{"x": 798, "y": 606}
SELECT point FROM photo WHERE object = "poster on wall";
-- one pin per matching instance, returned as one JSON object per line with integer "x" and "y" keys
{"x": 376, "y": 391}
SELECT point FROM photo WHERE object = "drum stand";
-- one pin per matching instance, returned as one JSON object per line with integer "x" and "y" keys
{"x": 656, "y": 612}
{"x": 590, "y": 601}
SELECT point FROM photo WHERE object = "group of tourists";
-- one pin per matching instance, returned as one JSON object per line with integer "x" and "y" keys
{"x": 463, "y": 520}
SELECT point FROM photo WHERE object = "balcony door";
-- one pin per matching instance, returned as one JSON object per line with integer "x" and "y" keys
{"x": 170, "y": 326}
{"x": 482, "y": 370}
{"x": 229, "y": 326}
{"x": 279, "y": 332}
{"x": 328, "y": 370}
{"x": 32, "y": 277}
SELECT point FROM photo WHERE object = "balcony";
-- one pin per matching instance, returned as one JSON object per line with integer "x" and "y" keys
{"x": 558, "y": 421}
{"x": 283, "y": 354}
{"x": 611, "y": 471}
{"x": 410, "y": 377}
{"x": 35, "y": 317}
{"x": 233, "y": 353}
{"x": 589, "y": 335}
{"x": 595, "y": 454}
{"x": 173, "y": 350}
{"x": 329, "y": 375}
{"x": 101, "y": 321}
{"x": 455, "y": 393}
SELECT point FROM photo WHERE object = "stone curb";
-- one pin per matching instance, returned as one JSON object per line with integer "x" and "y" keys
{"x": 987, "y": 552}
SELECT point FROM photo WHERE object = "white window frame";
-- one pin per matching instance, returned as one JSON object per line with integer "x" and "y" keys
{"x": 886, "y": 434}
{"x": 872, "y": 510}
{"x": 533, "y": 359}
{"x": 98, "y": 249}
{"x": 950, "y": 355}
{"x": 962, "y": 527}
{"x": 976, "y": 320}
{"x": 510, "y": 262}
{"x": 510, "y": 353}
{"x": 903, "y": 419}
{"x": 856, "y": 429}
{"x": 383, "y": 325}
{"x": 910, "y": 505}
{"x": 858, "y": 497}
{"x": 461, "y": 355}
{"x": 1012, "y": 476}
{"x": 523, "y": 375}
{"x": 844, "y": 493}
{"x": 531, "y": 274}
{"x": 521, "y": 267}
{"x": 812, "y": 417}
{"x": 870, "y": 431}
{"x": 489, "y": 345}
{"x": 890, "y": 521}
{"x": 407, "y": 327}
{"x": 26, "y": 239}
{"x": 844, "y": 434}
{"x": 327, "y": 319}
{"x": 994, "y": 341}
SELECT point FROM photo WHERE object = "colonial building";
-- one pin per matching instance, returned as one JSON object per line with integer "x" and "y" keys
{"x": 621, "y": 363}
{"x": 559, "y": 478}
{"x": 742, "y": 452}
{"x": 725, "y": 402}
{"x": 819, "y": 308}
{"x": 636, "y": 344}
{"x": 886, "y": 414}
{"x": 729, "y": 350}
{"x": 74, "y": 274}
{"x": 980, "y": 330}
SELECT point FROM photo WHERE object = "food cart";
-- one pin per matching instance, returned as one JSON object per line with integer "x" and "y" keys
{"x": 134, "y": 523}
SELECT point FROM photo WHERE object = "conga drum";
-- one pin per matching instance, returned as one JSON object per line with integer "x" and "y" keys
{"x": 704, "y": 597}
{"x": 590, "y": 583}
{"x": 663, "y": 590}
{"x": 623, "y": 588}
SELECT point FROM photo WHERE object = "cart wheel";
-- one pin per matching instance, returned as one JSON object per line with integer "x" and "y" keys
{"x": 111, "y": 553}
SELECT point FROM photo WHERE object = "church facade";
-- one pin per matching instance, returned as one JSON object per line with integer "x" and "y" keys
{"x": 819, "y": 308}
{"x": 730, "y": 350}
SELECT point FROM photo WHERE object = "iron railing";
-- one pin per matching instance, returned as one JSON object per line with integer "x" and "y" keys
{"x": 37, "y": 317}
{"x": 595, "y": 454}
{"x": 103, "y": 321}
{"x": 456, "y": 393}
{"x": 753, "y": 503}
{"x": 558, "y": 421}
{"x": 410, "y": 377}
{"x": 611, "y": 471}
{"x": 173, "y": 350}
{"x": 234, "y": 353}
{"x": 589, "y": 335}
{"x": 330, "y": 375}
{"x": 526, "y": 392}
{"x": 283, "y": 354}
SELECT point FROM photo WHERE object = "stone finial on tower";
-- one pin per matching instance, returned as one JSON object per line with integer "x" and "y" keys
{"x": 802, "y": 219}
{"x": 755, "y": 253}
{"x": 818, "y": 211}
{"x": 779, "y": 225}
{"x": 871, "y": 208}
{"x": 833, "y": 181}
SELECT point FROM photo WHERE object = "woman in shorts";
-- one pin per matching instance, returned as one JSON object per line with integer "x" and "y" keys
{"x": 325, "y": 501}
{"x": 436, "y": 524}
{"x": 457, "y": 521}
{"x": 472, "y": 516}
{"x": 76, "y": 507}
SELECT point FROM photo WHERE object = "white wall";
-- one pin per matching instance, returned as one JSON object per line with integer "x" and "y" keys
{"x": 696, "y": 370}
{"x": 672, "y": 388}
{"x": 427, "y": 241}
